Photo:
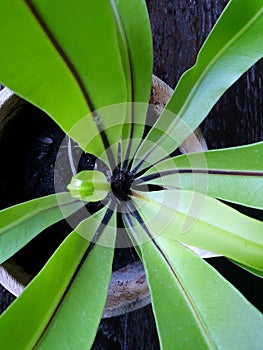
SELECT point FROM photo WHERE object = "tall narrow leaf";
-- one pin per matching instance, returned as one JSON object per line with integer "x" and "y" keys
{"x": 66, "y": 60}
{"x": 139, "y": 67}
{"x": 22, "y": 222}
{"x": 192, "y": 302}
{"x": 63, "y": 305}
{"x": 232, "y": 47}
{"x": 204, "y": 222}
{"x": 233, "y": 174}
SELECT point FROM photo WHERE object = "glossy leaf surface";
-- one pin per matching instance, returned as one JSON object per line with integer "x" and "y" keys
{"x": 233, "y": 174}
{"x": 233, "y": 46}
{"x": 256, "y": 272}
{"x": 89, "y": 185}
{"x": 65, "y": 62}
{"x": 139, "y": 61}
{"x": 22, "y": 222}
{"x": 204, "y": 222}
{"x": 63, "y": 305}
{"x": 192, "y": 302}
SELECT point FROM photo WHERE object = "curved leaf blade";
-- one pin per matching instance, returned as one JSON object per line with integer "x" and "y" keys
{"x": 190, "y": 300}
{"x": 232, "y": 174}
{"x": 67, "y": 65}
{"x": 175, "y": 318}
{"x": 54, "y": 307}
{"x": 29, "y": 56}
{"x": 203, "y": 222}
{"x": 22, "y": 222}
{"x": 232, "y": 47}
{"x": 139, "y": 51}
{"x": 256, "y": 272}
{"x": 93, "y": 51}
{"x": 139, "y": 62}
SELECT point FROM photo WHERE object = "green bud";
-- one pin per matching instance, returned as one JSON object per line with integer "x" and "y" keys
{"x": 89, "y": 186}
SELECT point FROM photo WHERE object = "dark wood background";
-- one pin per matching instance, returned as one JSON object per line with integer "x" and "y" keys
{"x": 179, "y": 28}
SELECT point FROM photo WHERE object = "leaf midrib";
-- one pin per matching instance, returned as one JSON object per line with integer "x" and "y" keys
{"x": 134, "y": 212}
{"x": 30, "y": 215}
{"x": 90, "y": 247}
{"x": 64, "y": 294}
{"x": 195, "y": 312}
{"x": 206, "y": 171}
{"x": 221, "y": 52}
{"x": 60, "y": 52}
{"x": 153, "y": 201}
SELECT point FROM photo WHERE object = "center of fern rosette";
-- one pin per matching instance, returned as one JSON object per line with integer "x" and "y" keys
{"x": 121, "y": 184}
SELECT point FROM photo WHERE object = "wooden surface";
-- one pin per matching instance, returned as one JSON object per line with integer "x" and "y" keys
{"x": 179, "y": 29}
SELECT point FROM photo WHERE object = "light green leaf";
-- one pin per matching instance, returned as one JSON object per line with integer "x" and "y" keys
{"x": 89, "y": 185}
{"x": 139, "y": 61}
{"x": 61, "y": 308}
{"x": 256, "y": 272}
{"x": 66, "y": 63}
{"x": 139, "y": 51}
{"x": 232, "y": 47}
{"x": 128, "y": 224}
{"x": 233, "y": 174}
{"x": 203, "y": 222}
{"x": 194, "y": 304}
{"x": 22, "y": 222}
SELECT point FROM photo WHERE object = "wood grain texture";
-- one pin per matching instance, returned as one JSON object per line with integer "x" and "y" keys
{"x": 179, "y": 29}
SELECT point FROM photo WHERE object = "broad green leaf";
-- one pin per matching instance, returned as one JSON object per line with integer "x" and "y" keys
{"x": 233, "y": 46}
{"x": 22, "y": 222}
{"x": 139, "y": 61}
{"x": 194, "y": 304}
{"x": 233, "y": 174}
{"x": 61, "y": 308}
{"x": 203, "y": 222}
{"x": 65, "y": 60}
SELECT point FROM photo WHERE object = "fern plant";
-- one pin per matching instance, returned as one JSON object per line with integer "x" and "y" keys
{"x": 89, "y": 68}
